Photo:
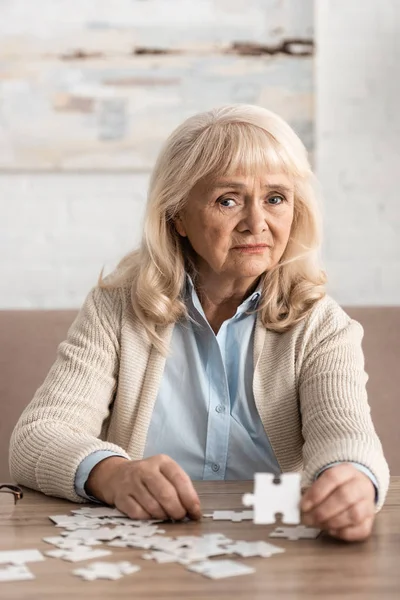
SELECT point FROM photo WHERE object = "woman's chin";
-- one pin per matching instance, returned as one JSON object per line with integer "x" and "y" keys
{"x": 253, "y": 268}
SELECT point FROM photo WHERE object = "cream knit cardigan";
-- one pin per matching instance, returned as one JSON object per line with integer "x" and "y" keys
{"x": 309, "y": 389}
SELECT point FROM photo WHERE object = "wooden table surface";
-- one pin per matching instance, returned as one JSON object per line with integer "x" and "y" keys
{"x": 322, "y": 568}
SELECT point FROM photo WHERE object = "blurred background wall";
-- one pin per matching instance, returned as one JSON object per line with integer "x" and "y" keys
{"x": 136, "y": 68}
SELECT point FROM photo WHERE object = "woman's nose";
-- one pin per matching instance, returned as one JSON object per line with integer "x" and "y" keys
{"x": 255, "y": 219}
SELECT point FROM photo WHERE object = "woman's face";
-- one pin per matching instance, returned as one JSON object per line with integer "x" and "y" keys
{"x": 238, "y": 226}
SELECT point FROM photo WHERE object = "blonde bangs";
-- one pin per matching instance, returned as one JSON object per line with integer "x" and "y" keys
{"x": 226, "y": 149}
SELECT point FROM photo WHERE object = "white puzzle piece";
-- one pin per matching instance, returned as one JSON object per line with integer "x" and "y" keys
{"x": 98, "y": 511}
{"x": 231, "y": 515}
{"x": 189, "y": 540}
{"x": 72, "y": 523}
{"x": 188, "y": 549}
{"x": 20, "y": 557}
{"x": 200, "y": 551}
{"x": 77, "y": 554}
{"x": 271, "y": 498}
{"x": 165, "y": 544}
{"x": 109, "y": 513}
{"x": 16, "y": 573}
{"x": 218, "y": 569}
{"x": 105, "y": 534}
{"x": 65, "y": 542}
{"x": 218, "y": 538}
{"x": 124, "y": 521}
{"x": 160, "y": 556}
{"x": 248, "y": 549}
{"x": 103, "y": 570}
{"x": 144, "y": 530}
{"x": 144, "y": 543}
{"x": 301, "y": 532}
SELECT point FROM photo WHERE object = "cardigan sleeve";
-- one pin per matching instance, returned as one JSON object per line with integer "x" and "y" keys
{"x": 336, "y": 419}
{"x": 62, "y": 424}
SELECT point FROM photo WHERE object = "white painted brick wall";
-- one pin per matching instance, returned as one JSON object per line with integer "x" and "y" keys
{"x": 57, "y": 231}
{"x": 358, "y": 141}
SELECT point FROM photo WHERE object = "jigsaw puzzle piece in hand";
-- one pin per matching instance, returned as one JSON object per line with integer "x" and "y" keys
{"x": 270, "y": 498}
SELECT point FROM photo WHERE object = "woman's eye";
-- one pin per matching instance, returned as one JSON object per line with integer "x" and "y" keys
{"x": 225, "y": 202}
{"x": 274, "y": 200}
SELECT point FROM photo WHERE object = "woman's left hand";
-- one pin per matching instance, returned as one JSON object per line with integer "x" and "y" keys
{"x": 341, "y": 502}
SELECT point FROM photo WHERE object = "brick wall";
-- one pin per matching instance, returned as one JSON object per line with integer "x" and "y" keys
{"x": 358, "y": 141}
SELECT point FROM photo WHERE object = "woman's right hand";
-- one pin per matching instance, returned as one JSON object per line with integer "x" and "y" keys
{"x": 152, "y": 488}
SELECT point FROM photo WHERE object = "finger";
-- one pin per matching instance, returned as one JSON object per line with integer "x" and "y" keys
{"x": 132, "y": 508}
{"x": 149, "y": 502}
{"x": 326, "y": 483}
{"x": 339, "y": 501}
{"x": 165, "y": 493}
{"x": 357, "y": 533}
{"x": 351, "y": 517}
{"x": 183, "y": 486}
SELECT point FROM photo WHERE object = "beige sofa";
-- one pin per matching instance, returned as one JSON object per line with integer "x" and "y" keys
{"x": 28, "y": 342}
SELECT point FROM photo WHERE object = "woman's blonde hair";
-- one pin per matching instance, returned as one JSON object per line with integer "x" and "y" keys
{"x": 223, "y": 141}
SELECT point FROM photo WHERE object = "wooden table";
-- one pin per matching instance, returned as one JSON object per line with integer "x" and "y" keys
{"x": 322, "y": 568}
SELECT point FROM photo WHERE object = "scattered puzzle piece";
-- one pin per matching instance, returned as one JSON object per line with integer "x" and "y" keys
{"x": 218, "y": 569}
{"x": 98, "y": 511}
{"x": 270, "y": 499}
{"x": 132, "y": 542}
{"x": 247, "y": 549}
{"x": 201, "y": 551}
{"x": 231, "y": 515}
{"x": 65, "y": 542}
{"x": 105, "y": 534}
{"x": 160, "y": 556}
{"x": 110, "y": 514}
{"x": 72, "y": 523}
{"x": 77, "y": 554}
{"x": 301, "y": 532}
{"x": 16, "y": 573}
{"x": 20, "y": 557}
{"x": 103, "y": 570}
{"x": 218, "y": 538}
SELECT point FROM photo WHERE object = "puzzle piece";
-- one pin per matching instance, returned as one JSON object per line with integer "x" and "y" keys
{"x": 247, "y": 549}
{"x": 188, "y": 540}
{"x": 103, "y": 570}
{"x": 301, "y": 532}
{"x": 105, "y": 534}
{"x": 134, "y": 542}
{"x": 124, "y": 521}
{"x": 160, "y": 556}
{"x": 165, "y": 543}
{"x": 20, "y": 557}
{"x": 77, "y": 554}
{"x": 65, "y": 543}
{"x": 201, "y": 551}
{"x": 98, "y": 511}
{"x": 271, "y": 498}
{"x": 187, "y": 549}
{"x": 218, "y": 538}
{"x": 16, "y": 573}
{"x": 145, "y": 530}
{"x": 218, "y": 569}
{"x": 231, "y": 515}
{"x": 111, "y": 515}
{"x": 72, "y": 523}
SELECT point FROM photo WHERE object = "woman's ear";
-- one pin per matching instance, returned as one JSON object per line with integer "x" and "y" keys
{"x": 179, "y": 226}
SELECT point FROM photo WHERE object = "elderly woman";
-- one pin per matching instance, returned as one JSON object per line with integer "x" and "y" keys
{"x": 213, "y": 351}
